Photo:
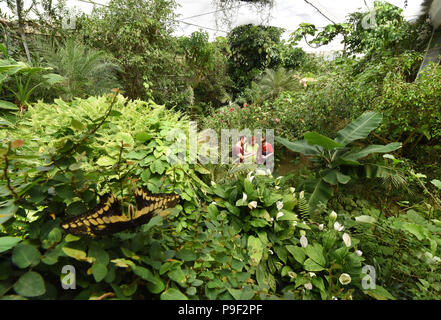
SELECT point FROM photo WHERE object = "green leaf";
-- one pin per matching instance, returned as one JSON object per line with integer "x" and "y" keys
{"x": 7, "y": 243}
{"x": 7, "y": 210}
{"x": 71, "y": 238}
{"x": 321, "y": 194}
{"x": 315, "y": 252}
{"x": 417, "y": 230}
{"x": 101, "y": 256}
{"x": 53, "y": 78}
{"x": 255, "y": 250}
{"x": 30, "y": 284}
{"x": 359, "y": 128}
{"x": 311, "y": 265}
{"x": 76, "y": 124}
{"x": 299, "y": 146}
{"x": 314, "y": 138}
{"x": 6, "y": 105}
{"x": 105, "y": 161}
{"x": 334, "y": 177}
{"x": 99, "y": 271}
{"x": 353, "y": 156}
{"x": 297, "y": 252}
{"x": 25, "y": 255}
{"x": 173, "y": 294}
{"x": 74, "y": 253}
{"x": 379, "y": 293}
{"x": 55, "y": 235}
{"x": 186, "y": 255}
{"x": 436, "y": 183}
{"x": 143, "y": 136}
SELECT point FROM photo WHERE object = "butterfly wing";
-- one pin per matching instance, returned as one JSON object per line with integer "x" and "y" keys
{"x": 103, "y": 219}
{"x": 147, "y": 204}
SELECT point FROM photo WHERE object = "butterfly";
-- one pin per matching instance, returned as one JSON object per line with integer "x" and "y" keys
{"x": 107, "y": 217}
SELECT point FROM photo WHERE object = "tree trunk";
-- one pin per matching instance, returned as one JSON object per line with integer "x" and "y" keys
{"x": 19, "y": 6}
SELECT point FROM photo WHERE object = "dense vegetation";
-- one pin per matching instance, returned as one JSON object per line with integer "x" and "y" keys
{"x": 352, "y": 210}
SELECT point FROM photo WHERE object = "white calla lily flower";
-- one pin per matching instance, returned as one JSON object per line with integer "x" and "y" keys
{"x": 303, "y": 241}
{"x": 345, "y": 279}
{"x": 338, "y": 226}
{"x": 346, "y": 239}
{"x": 252, "y": 205}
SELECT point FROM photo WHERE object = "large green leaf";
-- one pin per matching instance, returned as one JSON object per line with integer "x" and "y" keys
{"x": 359, "y": 128}
{"x": 353, "y": 156}
{"x": 334, "y": 177}
{"x": 299, "y": 146}
{"x": 322, "y": 193}
{"x": 314, "y": 138}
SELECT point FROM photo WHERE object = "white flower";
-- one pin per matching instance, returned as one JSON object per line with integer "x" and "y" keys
{"x": 292, "y": 189}
{"x": 277, "y": 187}
{"x": 272, "y": 219}
{"x": 279, "y": 214}
{"x": 345, "y": 279}
{"x": 347, "y": 239}
{"x": 250, "y": 176}
{"x": 252, "y": 205}
{"x": 312, "y": 274}
{"x": 302, "y": 194}
{"x": 303, "y": 241}
{"x": 321, "y": 226}
{"x": 213, "y": 183}
{"x": 294, "y": 223}
{"x": 359, "y": 253}
{"x": 270, "y": 251}
{"x": 292, "y": 274}
{"x": 334, "y": 298}
{"x": 244, "y": 197}
{"x": 214, "y": 202}
{"x": 333, "y": 216}
{"x": 260, "y": 172}
{"x": 338, "y": 226}
{"x": 308, "y": 286}
{"x": 279, "y": 205}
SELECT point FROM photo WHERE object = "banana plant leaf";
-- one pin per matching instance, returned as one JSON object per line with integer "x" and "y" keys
{"x": 359, "y": 128}
{"x": 353, "y": 156}
{"x": 300, "y": 146}
{"x": 314, "y": 138}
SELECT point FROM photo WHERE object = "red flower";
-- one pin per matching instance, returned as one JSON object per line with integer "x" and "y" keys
{"x": 232, "y": 109}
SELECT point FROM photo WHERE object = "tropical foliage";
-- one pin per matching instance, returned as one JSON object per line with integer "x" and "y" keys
{"x": 351, "y": 211}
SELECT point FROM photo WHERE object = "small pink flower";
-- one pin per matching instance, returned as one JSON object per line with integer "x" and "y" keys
{"x": 277, "y": 120}
{"x": 232, "y": 109}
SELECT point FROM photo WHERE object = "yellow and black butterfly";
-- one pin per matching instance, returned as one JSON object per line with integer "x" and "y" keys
{"x": 107, "y": 217}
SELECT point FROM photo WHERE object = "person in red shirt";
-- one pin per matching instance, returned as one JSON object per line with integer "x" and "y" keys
{"x": 267, "y": 152}
{"x": 239, "y": 151}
